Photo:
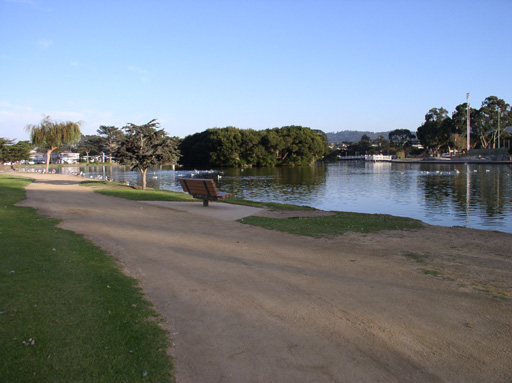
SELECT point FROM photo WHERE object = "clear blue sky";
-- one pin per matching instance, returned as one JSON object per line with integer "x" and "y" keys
{"x": 194, "y": 65}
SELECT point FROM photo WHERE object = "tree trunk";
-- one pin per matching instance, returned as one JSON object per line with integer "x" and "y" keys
{"x": 143, "y": 174}
{"x": 485, "y": 143}
{"x": 48, "y": 154}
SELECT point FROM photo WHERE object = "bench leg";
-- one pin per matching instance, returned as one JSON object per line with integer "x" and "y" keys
{"x": 205, "y": 203}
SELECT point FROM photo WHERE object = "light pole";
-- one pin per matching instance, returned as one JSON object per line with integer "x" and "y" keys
{"x": 469, "y": 127}
{"x": 499, "y": 131}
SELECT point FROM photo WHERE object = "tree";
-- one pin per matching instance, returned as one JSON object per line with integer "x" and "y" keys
{"x": 18, "y": 152}
{"x": 195, "y": 150}
{"x": 365, "y": 146}
{"x": 91, "y": 144}
{"x": 301, "y": 145}
{"x": 460, "y": 124}
{"x": 491, "y": 120}
{"x": 435, "y": 132}
{"x": 52, "y": 135}
{"x": 274, "y": 145}
{"x": 383, "y": 145}
{"x": 230, "y": 146}
{"x": 4, "y": 148}
{"x": 143, "y": 146}
{"x": 113, "y": 136}
{"x": 401, "y": 138}
{"x": 254, "y": 153}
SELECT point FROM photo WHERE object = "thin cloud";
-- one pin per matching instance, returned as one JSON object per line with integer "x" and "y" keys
{"x": 44, "y": 43}
{"x": 11, "y": 58}
{"x": 137, "y": 69}
{"x": 67, "y": 115}
{"x": 140, "y": 71}
{"x": 14, "y": 118}
{"x": 9, "y": 106}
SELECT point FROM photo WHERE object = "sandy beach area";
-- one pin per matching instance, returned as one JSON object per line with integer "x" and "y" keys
{"x": 244, "y": 304}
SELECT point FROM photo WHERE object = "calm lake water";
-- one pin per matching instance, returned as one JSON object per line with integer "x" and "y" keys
{"x": 476, "y": 196}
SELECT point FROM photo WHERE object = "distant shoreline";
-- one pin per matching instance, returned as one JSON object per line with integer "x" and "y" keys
{"x": 445, "y": 162}
{"x": 450, "y": 161}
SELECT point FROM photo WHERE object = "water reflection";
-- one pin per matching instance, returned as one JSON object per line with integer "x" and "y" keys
{"x": 473, "y": 195}
{"x": 293, "y": 185}
{"x": 478, "y": 196}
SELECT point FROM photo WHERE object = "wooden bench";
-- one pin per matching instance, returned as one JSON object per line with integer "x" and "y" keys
{"x": 204, "y": 189}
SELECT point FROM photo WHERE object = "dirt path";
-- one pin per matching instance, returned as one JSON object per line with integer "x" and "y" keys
{"x": 244, "y": 304}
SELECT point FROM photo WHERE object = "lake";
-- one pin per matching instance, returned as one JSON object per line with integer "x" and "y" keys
{"x": 476, "y": 196}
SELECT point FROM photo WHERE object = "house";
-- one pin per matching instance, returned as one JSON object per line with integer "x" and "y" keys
{"x": 56, "y": 158}
{"x": 65, "y": 158}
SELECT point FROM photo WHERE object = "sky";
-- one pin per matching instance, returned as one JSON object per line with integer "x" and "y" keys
{"x": 193, "y": 65}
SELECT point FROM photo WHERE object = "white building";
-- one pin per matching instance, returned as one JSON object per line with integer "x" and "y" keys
{"x": 66, "y": 158}
{"x": 56, "y": 158}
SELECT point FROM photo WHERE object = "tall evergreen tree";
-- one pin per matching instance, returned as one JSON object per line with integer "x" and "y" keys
{"x": 4, "y": 148}
{"x": 435, "y": 132}
{"x": 18, "y": 152}
{"x": 492, "y": 118}
{"x": 113, "y": 136}
{"x": 143, "y": 146}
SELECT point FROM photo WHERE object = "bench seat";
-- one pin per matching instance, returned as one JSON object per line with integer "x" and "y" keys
{"x": 203, "y": 188}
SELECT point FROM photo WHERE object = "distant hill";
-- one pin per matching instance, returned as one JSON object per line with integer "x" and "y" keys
{"x": 353, "y": 136}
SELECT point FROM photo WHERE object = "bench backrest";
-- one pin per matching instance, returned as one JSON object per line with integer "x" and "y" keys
{"x": 199, "y": 186}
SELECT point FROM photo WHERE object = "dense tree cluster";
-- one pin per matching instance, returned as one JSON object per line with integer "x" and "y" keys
{"x": 14, "y": 152}
{"x": 440, "y": 132}
{"x": 90, "y": 145}
{"x": 230, "y": 146}
{"x": 105, "y": 142}
{"x": 399, "y": 143}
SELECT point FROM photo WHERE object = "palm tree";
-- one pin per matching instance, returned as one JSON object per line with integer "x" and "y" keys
{"x": 52, "y": 135}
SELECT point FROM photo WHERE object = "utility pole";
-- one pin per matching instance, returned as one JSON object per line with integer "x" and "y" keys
{"x": 469, "y": 126}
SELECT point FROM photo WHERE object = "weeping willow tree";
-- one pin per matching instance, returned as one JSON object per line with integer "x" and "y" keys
{"x": 52, "y": 135}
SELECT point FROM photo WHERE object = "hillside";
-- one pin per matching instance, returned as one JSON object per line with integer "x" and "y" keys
{"x": 353, "y": 135}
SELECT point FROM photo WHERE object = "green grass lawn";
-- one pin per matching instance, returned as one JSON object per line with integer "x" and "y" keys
{"x": 268, "y": 205}
{"x": 146, "y": 195}
{"x": 67, "y": 312}
{"x": 333, "y": 225}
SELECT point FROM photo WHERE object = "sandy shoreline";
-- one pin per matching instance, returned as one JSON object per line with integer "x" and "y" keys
{"x": 246, "y": 304}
